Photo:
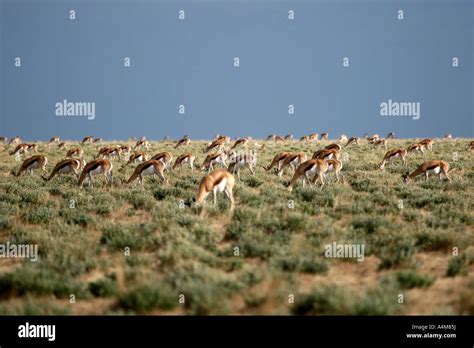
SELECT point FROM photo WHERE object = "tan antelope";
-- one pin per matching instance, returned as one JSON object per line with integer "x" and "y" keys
{"x": 293, "y": 160}
{"x": 187, "y": 157}
{"x": 392, "y": 154}
{"x": 277, "y": 161}
{"x": 380, "y": 142}
{"x": 304, "y": 138}
{"x": 437, "y": 167}
{"x": 87, "y": 140}
{"x": 24, "y": 149}
{"x": 164, "y": 157}
{"x": 333, "y": 146}
{"x": 237, "y": 162}
{"x": 240, "y": 142}
{"x": 416, "y": 148}
{"x": 279, "y": 138}
{"x": 327, "y": 154}
{"x": 53, "y": 140}
{"x": 68, "y": 165}
{"x": 75, "y": 151}
{"x": 15, "y": 140}
{"x": 427, "y": 143}
{"x": 141, "y": 143}
{"x": 372, "y": 139}
{"x": 311, "y": 171}
{"x": 34, "y": 162}
{"x": 271, "y": 137}
{"x": 335, "y": 166}
{"x": 62, "y": 145}
{"x": 125, "y": 150}
{"x": 150, "y": 167}
{"x": 224, "y": 138}
{"x": 213, "y": 159}
{"x": 98, "y": 140}
{"x": 99, "y": 166}
{"x": 343, "y": 138}
{"x": 324, "y": 136}
{"x": 109, "y": 152}
{"x": 313, "y": 137}
{"x": 184, "y": 141}
{"x": 289, "y": 137}
{"x": 218, "y": 181}
{"x": 216, "y": 145}
{"x": 353, "y": 140}
{"x": 137, "y": 157}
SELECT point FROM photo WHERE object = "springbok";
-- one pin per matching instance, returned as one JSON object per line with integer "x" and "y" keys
{"x": 218, "y": 181}
{"x": 187, "y": 157}
{"x": 310, "y": 170}
{"x": 392, "y": 154}
{"x": 150, "y": 167}
{"x": 68, "y": 165}
{"x": 96, "y": 167}
{"x": 34, "y": 162}
{"x": 436, "y": 166}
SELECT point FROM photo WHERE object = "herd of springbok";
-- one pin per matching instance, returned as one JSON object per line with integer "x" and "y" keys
{"x": 323, "y": 161}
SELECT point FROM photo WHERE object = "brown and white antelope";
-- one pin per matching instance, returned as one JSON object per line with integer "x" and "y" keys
{"x": 75, "y": 151}
{"x": 98, "y": 140}
{"x": 391, "y": 135}
{"x": 436, "y": 167}
{"x": 15, "y": 140}
{"x": 343, "y": 138}
{"x": 218, "y": 181}
{"x": 62, "y": 145}
{"x": 137, "y": 157}
{"x": 53, "y": 140}
{"x": 68, "y": 165}
{"x": 184, "y": 141}
{"x": 324, "y": 136}
{"x": 87, "y": 140}
{"x": 277, "y": 161}
{"x": 334, "y": 146}
{"x": 311, "y": 171}
{"x": 164, "y": 157}
{"x": 304, "y": 138}
{"x": 187, "y": 157}
{"x": 151, "y": 167}
{"x": 239, "y": 161}
{"x": 335, "y": 166}
{"x": 289, "y": 137}
{"x": 142, "y": 143}
{"x": 24, "y": 149}
{"x": 293, "y": 160}
{"x": 393, "y": 154}
{"x": 313, "y": 137}
{"x": 34, "y": 162}
{"x": 216, "y": 145}
{"x": 380, "y": 142}
{"x": 213, "y": 159}
{"x": 240, "y": 142}
{"x": 327, "y": 154}
{"x": 416, "y": 148}
{"x": 101, "y": 166}
{"x": 427, "y": 143}
{"x": 353, "y": 140}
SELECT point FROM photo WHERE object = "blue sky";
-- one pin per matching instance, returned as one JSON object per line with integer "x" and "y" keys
{"x": 190, "y": 62}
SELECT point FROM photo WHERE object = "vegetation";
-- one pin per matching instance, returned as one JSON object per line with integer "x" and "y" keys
{"x": 128, "y": 249}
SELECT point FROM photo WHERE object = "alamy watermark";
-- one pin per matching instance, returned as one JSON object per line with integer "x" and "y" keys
{"x": 405, "y": 109}
{"x": 24, "y": 251}
{"x": 67, "y": 108}
{"x": 345, "y": 251}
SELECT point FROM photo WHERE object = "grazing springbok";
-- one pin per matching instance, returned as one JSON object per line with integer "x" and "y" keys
{"x": 311, "y": 170}
{"x": 353, "y": 140}
{"x": 293, "y": 160}
{"x": 216, "y": 145}
{"x": 240, "y": 142}
{"x": 335, "y": 166}
{"x": 391, "y": 155}
{"x": 391, "y": 135}
{"x": 68, "y": 165}
{"x": 324, "y": 136}
{"x": 53, "y": 140}
{"x": 75, "y": 151}
{"x": 187, "y": 157}
{"x": 289, "y": 137}
{"x": 164, "y": 157}
{"x": 237, "y": 162}
{"x": 150, "y": 167}
{"x": 218, "y": 181}
{"x": 343, "y": 138}
{"x": 327, "y": 154}
{"x": 15, "y": 140}
{"x": 141, "y": 143}
{"x": 213, "y": 159}
{"x": 277, "y": 161}
{"x": 137, "y": 157}
{"x": 87, "y": 140}
{"x": 427, "y": 143}
{"x": 184, "y": 141}
{"x": 34, "y": 162}
{"x": 96, "y": 167}
{"x": 436, "y": 167}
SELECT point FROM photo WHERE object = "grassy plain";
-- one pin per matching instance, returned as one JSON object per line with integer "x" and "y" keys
{"x": 83, "y": 235}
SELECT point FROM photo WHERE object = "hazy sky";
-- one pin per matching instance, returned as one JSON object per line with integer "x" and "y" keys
{"x": 191, "y": 62}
